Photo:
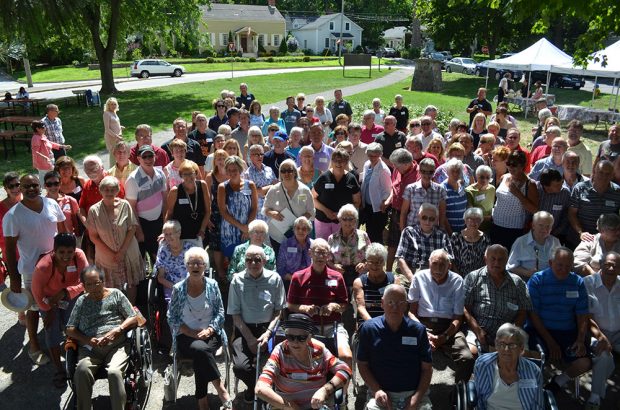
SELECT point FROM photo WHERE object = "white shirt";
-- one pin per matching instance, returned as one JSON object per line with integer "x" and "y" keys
{"x": 35, "y": 232}
{"x": 604, "y": 305}
{"x": 529, "y": 254}
{"x": 197, "y": 312}
{"x": 504, "y": 397}
{"x": 426, "y": 139}
{"x": 435, "y": 300}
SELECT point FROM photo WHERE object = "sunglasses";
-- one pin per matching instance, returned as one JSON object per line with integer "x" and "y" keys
{"x": 296, "y": 338}
{"x": 13, "y": 186}
{"x": 51, "y": 184}
{"x": 414, "y": 125}
{"x": 287, "y": 171}
{"x": 253, "y": 260}
{"x": 149, "y": 156}
{"x": 31, "y": 186}
{"x": 428, "y": 218}
{"x": 347, "y": 219}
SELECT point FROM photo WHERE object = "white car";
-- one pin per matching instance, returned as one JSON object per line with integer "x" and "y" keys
{"x": 461, "y": 65}
{"x": 149, "y": 67}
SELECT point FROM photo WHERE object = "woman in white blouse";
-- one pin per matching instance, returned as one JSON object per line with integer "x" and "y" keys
{"x": 112, "y": 126}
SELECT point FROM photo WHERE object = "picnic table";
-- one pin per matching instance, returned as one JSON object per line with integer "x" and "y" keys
{"x": 80, "y": 95}
{"x": 587, "y": 115}
{"x": 14, "y": 136}
{"x": 29, "y": 104}
{"x": 526, "y": 104}
{"x": 18, "y": 120}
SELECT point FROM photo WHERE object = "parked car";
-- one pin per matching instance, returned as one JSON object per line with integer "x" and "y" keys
{"x": 461, "y": 65}
{"x": 149, "y": 67}
{"x": 558, "y": 80}
{"x": 447, "y": 54}
{"x": 482, "y": 67}
{"x": 386, "y": 52}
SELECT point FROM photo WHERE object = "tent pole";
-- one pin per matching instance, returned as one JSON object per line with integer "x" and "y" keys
{"x": 616, "y": 102}
{"x": 527, "y": 95}
{"x": 486, "y": 80}
{"x": 612, "y": 93}
{"x": 593, "y": 90}
{"x": 548, "y": 79}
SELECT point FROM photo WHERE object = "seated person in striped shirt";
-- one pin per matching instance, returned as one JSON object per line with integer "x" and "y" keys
{"x": 369, "y": 287}
{"x": 521, "y": 379}
{"x": 560, "y": 318}
{"x": 296, "y": 374}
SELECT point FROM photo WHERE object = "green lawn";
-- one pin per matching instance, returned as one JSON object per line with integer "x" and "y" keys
{"x": 70, "y": 73}
{"x": 158, "y": 107}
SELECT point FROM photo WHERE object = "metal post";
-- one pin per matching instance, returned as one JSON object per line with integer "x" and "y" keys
{"x": 341, "y": 27}
{"x": 612, "y": 93}
{"x": 527, "y": 95}
{"x": 616, "y": 101}
{"x": 593, "y": 90}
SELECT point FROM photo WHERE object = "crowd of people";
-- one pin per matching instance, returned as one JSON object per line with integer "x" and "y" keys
{"x": 444, "y": 243}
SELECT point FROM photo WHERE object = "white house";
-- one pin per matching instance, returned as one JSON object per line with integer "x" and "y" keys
{"x": 324, "y": 32}
{"x": 395, "y": 37}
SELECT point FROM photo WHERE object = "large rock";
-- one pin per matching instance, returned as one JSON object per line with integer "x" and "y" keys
{"x": 427, "y": 75}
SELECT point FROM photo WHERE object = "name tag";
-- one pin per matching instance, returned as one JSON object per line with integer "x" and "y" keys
{"x": 246, "y": 192}
{"x": 572, "y": 294}
{"x": 323, "y": 160}
{"x": 301, "y": 197}
{"x": 527, "y": 384}
{"x": 183, "y": 201}
{"x": 481, "y": 197}
{"x": 402, "y": 113}
{"x": 332, "y": 283}
{"x": 291, "y": 249}
{"x": 557, "y": 207}
{"x": 410, "y": 341}
{"x": 71, "y": 269}
{"x": 299, "y": 376}
{"x": 265, "y": 295}
{"x": 512, "y": 306}
{"x": 610, "y": 203}
{"x": 209, "y": 139}
{"x": 398, "y": 145}
{"x": 341, "y": 106}
{"x": 329, "y": 186}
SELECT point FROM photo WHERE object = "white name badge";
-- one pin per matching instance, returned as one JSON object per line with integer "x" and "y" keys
{"x": 301, "y": 197}
{"x": 572, "y": 294}
{"x": 527, "y": 384}
{"x": 323, "y": 160}
{"x": 183, "y": 201}
{"x": 402, "y": 113}
{"x": 246, "y": 192}
{"x": 332, "y": 283}
{"x": 265, "y": 295}
{"x": 209, "y": 139}
{"x": 480, "y": 197}
{"x": 398, "y": 145}
{"x": 610, "y": 203}
{"x": 329, "y": 186}
{"x": 71, "y": 269}
{"x": 299, "y": 376}
{"x": 291, "y": 249}
{"x": 410, "y": 341}
{"x": 512, "y": 306}
{"x": 557, "y": 207}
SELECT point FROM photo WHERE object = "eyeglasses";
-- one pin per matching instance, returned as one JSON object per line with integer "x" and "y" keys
{"x": 92, "y": 284}
{"x": 347, "y": 219}
{"x": 13, "y": 186}
{"x": 428, "y": 218}
{"x": 394, "y": 303}
{"x": 320, "y": 253}
{"x": 51, "y": 184}
{"x": 148, "y": 156}
{"x": 258, "y": 154}
{"x": 253, "y": 260}
{"x": 413, "y": 125}
{"x": 196, "y": 263}
{"x": 296, "y": 338}
{"x": 287, "y": 171}
{"x": 506, "y": 346}
{"x": 31, "y": 186}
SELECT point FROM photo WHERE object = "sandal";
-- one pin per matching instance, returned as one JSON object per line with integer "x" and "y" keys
{"x": 227, "y": 405}
{"x": 60, "y": 379}
{"x": 38, "y": 358}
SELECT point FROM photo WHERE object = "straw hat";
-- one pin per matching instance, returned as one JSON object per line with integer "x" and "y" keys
{"x": 17, "y": 302}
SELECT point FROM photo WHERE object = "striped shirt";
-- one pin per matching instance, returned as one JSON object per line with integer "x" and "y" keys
{"x": 53, "y": 130}
{"x": 530, "y": 382}
{"x": 456, "y": 204}
{"x": 556, "y": 204}
{"x": 147, "y": 191}
{"x": 373, "y": 292}
{"x": 297, "y": 382}
{"x": 591, "y": 204}
{"x": 558, "y": 301}
{"x": 416, "y": 194}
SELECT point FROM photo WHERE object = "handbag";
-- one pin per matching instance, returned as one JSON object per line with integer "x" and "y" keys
{"x": 290, "y": 232}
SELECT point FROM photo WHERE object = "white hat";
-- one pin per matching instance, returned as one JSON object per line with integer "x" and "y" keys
{"x": 17, "y": 302}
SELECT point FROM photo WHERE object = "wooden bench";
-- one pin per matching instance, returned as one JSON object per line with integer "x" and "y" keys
{"x": 14, "y": 136}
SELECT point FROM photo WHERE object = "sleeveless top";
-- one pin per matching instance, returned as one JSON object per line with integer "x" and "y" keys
{"x": 190, "y": 220}
{"x": 373, "y": 292}
{"x": 508, "y": 211}
{"x": 77, "y": 191}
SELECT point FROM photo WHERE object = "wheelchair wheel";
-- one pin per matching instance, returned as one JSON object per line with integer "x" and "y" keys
{"x": 140, "y": 375}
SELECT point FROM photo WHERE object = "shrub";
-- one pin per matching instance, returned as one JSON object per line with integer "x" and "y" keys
{"x": 359, "y": 50}
{"x": 75, "y": 63}
{"x": 292, "y": 44}
{"x": 210, "y": 60}
{"x": 270, "y": 59}
{"x": 252, "y": 59}
{"x": 326, "y": 52}
{"x": 414, "y": 52}
{"x": 307, "y": 52}
{"x": 261, "y": 49}
{"x": 306, "y": 59}
{"x": 282, "y": 49}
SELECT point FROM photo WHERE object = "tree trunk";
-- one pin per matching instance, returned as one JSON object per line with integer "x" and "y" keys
{"x": 28, "y": 72}
{"x": 416, "y": 35}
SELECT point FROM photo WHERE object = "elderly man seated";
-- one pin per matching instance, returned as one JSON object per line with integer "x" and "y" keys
{"x": 531, "y": 252}
{"x": 505, "y": 379}
{"x": 418, "y": 241}
{"x": 560, "y": 317}
{"x": 98, "y": 323}
{"x": 437, "y": 298}
{"x": 255, "y": 300}
{"x": 494, "y": 296}
{"x": 588, "y": 254}
{"x": 394, "y": 356}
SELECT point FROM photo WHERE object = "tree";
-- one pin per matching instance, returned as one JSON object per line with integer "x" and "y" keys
{"x": 100, "y": 21}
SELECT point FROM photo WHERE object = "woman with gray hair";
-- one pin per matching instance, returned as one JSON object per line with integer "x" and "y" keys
{"x": 521, "y": 379}
{"x": 284, "y": 202}
{"x": 258, "y": 233}
{"x": 456, "y": 199}
{"x": 588, "y": 254}
{"x": 294, "y": 254}
{"x": 122, "y": 167}
{"x": 368, "y": 287}
{"x": 112, "y": 227}
{"x": 470, "y": 243}
{"x": 170, "y": 262}
{"x": 481, "y": 194}
{"x": 376, "y": 190}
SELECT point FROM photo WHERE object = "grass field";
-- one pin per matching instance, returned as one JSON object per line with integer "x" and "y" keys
{"x": 158, "y": 107}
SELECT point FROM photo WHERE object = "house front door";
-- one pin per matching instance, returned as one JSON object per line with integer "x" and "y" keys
{"x": 244, "y": 44}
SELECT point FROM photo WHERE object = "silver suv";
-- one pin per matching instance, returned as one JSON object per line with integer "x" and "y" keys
{"x": 149, "y": 67}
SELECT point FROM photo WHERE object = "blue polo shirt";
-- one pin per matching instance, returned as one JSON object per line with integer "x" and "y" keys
{"x": 558, "y": 301}
{"x": 394, "y": 358}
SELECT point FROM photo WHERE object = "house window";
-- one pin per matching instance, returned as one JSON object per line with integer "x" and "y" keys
{"x": 326, "y": 42}
{"x": 331, "y": 25}
{"x": 276, "y": 40}
{"x": 212, "y": 39}
{"x": 261, "y": 40}
{"x": 223, "y": 39}
{"x": 347, "y": 26}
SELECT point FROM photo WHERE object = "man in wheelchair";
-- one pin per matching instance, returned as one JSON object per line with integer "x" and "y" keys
{"x": 98, "y": 323}
{"x": 297, "y": 374}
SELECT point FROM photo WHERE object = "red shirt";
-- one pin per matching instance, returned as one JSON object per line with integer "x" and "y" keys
{"x": 400, "y": 182}
{"x": 368, "y": 134}
{"x": 161, "y": 157}
{"x": 313, "y": 288}
{"x": 90, "y": 194}
{"x": 540, "y": 152}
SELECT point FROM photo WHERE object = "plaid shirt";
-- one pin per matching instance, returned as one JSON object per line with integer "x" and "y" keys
{"x": 492, "y": 306}
{"x": 53, "y": 130}
{"x": 415, "y": 247}
{"x": 417, "y": 195}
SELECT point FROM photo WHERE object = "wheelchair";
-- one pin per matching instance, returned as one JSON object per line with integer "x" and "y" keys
{"x": 467, "y": 397}
{"x": 138, "y": 376}
{"x": 156, "y": 311}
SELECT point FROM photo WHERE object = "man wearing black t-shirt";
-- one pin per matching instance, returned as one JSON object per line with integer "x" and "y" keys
{"x": 479, "y": 104}
{"x": 244, "y": 100}
{"x": 202, "y": 134}
{"x": 390, "y": 139}
{"x": 194, "y": 151}
{"x": 339, "y": 106}
{"x": 277, "y": 155}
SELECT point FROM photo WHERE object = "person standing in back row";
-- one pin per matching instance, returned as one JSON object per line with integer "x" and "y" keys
{"x": 339, "y": 106}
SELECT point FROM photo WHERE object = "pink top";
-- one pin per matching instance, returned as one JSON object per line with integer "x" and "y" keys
{"x": 47, "y": 279}
{"x": 42, "y": 156}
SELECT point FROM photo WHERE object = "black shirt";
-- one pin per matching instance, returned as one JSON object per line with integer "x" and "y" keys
{"x": 333, "y": 194}
{"x": 342, "y": 107}
{"x": 194, "y": 152}
{"x": 402, "y": 117}
{"x": 273, "y": 160}
{"x": 484, "y": 105}
{"x": 215, "y": 122}
{"x": 245, "y": 101}
{"x": 391, "y": 142}
{"x": 205, "y": 140}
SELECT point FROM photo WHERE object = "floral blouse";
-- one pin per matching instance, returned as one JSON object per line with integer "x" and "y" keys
{"x": 173, "y": 266}
{"x": 263, "y": 177}
{"x": 351, "y": 250}
{"x": 237, "y": 263}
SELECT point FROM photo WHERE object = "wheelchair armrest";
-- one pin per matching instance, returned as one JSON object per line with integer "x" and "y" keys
{"x": 339, "y": 396}
{"x": 550, "y": 402}
{"x": 71, "y": 357}
{"x": 472, "y": 394}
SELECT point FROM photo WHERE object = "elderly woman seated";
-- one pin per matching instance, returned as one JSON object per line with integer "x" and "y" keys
{"x": 294, "y": 252}
{"x": 296, "y": 374}
{"x": 531, "y": 252}
{"x": 506, "y": 380}
{"x": 258, "y": 232}
{"x": 589, "y": 253}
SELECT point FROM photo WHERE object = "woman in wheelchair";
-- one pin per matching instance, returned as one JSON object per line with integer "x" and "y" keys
{"x": 196, "y": 317}
{"x": 505, "y": 379}
{"x": 98, "y": 323}
{"x": 170, "y": 265}
{"x": 296, "y": 376}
